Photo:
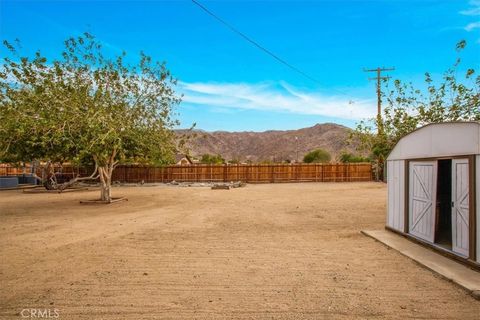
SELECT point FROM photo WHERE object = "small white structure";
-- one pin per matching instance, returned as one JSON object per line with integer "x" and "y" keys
{"x": 433, "y": 177}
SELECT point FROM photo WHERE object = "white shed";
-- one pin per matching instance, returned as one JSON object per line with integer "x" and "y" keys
{"x": 433, "y": 177}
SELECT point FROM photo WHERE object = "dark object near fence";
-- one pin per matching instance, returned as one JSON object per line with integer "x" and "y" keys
{"x": 27, "y": 179}
{"x": 60, "y": 178}
{"x": 8, "y": 182}
{"x": 221, "y": 187}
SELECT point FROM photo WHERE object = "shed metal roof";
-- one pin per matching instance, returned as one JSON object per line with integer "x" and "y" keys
{"x": 439, "y": 140}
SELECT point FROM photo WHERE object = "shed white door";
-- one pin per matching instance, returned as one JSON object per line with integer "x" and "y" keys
{"x": 460, "y": 206}
{"x": 422, "y": 189}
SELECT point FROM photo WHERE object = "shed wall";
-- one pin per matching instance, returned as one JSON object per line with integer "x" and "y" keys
{"x": 477, "y": 169}
{"x": 396, "y": 194}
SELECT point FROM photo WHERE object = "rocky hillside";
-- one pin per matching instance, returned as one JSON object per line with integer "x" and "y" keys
{"x": 273, "y": 145}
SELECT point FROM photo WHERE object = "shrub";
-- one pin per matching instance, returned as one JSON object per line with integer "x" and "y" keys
{"x": 350, "y": 158}
{"x": 212, "y": 159}
{"x": 317, "y": 156}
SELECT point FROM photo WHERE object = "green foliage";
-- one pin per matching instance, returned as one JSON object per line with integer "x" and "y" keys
{"x": 86, "y": 107}
{"x": 266, "y": 161}
{"x": 212, "y": 159}
{"x": 317, "y": 156}
{"x": 351, "y": 158}
{"x": 454, "y": 98}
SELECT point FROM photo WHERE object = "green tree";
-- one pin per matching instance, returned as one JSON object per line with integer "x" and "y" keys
{"x": 86, "y": 108}
{"x": 317, "y": 156}
{"x": 347, "y": 157}
{"x": 454, "y": 98}
{"x": 234, "y": 161}
{"x": 212, "y": 159}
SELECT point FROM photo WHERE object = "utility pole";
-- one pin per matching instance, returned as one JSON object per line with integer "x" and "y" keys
{"x": 379, "y": 78}
{"x": 296, "y": 148}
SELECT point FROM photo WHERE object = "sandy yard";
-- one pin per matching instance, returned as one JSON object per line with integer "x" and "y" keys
{"x": 276, "y": 251}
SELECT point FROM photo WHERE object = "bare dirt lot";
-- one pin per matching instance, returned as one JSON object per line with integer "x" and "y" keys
{"x": 276, "y": 251}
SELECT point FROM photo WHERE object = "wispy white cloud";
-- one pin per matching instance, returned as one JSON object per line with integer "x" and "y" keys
{"x": 471, "y": 12}
{"x": 474, "y": 9}
{"x": 472, "y": 26}
{"x": 275, "y": 97}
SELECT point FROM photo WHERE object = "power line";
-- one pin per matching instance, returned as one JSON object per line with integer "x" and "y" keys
{"x": 256, "y": 44}
{"x": 265, "y": 50}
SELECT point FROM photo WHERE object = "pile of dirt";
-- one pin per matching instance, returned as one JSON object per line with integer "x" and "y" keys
{"x": 212, "y": 185}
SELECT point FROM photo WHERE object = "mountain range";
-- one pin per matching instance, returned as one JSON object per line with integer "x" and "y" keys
{"x": 272, "y": 145}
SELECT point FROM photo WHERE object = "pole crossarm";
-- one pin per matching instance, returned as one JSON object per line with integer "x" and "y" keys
{"x": 379, "y": 78}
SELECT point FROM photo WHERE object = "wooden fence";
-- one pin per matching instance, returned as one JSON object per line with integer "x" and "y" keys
{"x": 251, "y": 173}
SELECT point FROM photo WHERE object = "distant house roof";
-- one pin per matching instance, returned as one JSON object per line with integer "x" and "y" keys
{"x": 183, "y": 159}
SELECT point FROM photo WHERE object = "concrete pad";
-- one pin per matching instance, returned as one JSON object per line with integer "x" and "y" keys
{"x": 459, "y": 274}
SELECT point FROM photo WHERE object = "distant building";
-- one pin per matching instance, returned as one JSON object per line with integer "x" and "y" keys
{"x": 183, "y": 160}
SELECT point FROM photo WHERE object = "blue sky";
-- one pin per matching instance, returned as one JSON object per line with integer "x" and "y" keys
{"x": 228, "y": 84}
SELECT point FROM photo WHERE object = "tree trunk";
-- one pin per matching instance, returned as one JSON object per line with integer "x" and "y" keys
{"x": 105, "y": 170}
{"x": 105, "y": 173}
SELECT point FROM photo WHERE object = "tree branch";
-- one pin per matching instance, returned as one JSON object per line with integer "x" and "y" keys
{"x": 71, "y": 182}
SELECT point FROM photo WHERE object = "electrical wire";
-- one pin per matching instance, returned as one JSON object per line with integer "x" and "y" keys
{"x": 262, "y": 48}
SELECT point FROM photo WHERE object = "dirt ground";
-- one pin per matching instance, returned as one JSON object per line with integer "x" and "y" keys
{"x": 276, "y": 251}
